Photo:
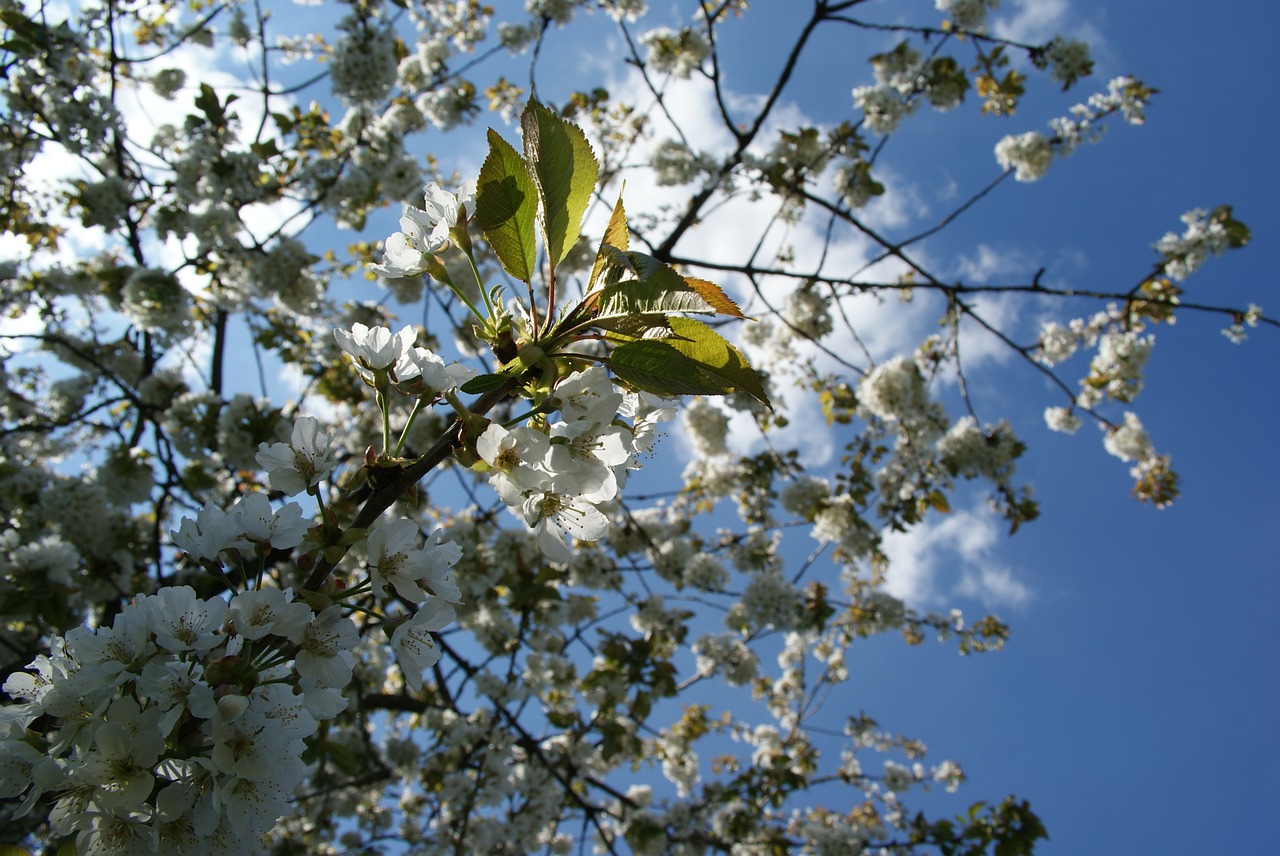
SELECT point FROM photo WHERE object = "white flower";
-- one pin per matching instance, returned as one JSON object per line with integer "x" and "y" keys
{"x": 415, "y": 650}
{"x": 882, "y": 107}
{"x": 32, "y": 685}
{"x": 114, "y": 831}
{"x": 1028, "y": 155}
{"x": 268, "y": 611}
{"x": 439, "y": 579}
{"x": 1129, "y": 442}
{"x": 167, "y": 684}
{"x": 121, "y": 762}
{"x": 395, "y": 560}
{"x": 250, "y": 746}
{"x": 18, "y": 760}
{"x": 326, "y": 649}
{"x": 280, "y": 704}
{"x": 513, "y": 454}
{"x": 588, "y": 395}
{"x": 255, "y": 803}
{"x": 646, "y": 412}
{"x": 421, "y": 373}
{"x": 209, "y": 534}
{"x": 424, "y": 232}
{"x": 589, "y": 445}
{"x": 375, "y": 348}
{"x": 183, "y": 622}
{"x": 300, "y": 464}
{"x": 563, "y": 505}
{"x": 283, "y": 529}
{"x": 408, "y": 252}
{"x": 111, "y": 654}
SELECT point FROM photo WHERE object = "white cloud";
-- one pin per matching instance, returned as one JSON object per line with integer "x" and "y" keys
{"x": 951, "y": 556}
{"x": 1037, "y": 21}
{"x": 732, "y": 229}
{"x": 1031, "y": 21}
{"x": 30, "y": 323}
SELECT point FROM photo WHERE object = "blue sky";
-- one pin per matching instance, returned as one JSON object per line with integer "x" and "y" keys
{"x": 1135, "y": 704}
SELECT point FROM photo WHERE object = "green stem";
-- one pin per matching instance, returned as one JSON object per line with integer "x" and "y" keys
{"x": 484, "y": 292}
{"x": 457, "y": 405}
{"x": 413, "y": 414}
{"x": 355, "y": 591}
{"x": 370, "y": 612}
{"x": 386, "y": 420}
{"x": 476, "y": 312}
{"x": 529, "y": 414}
{"x": 315, "y": 491}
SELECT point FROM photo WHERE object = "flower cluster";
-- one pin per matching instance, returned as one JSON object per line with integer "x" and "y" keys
{"x": 968, "y": 15}
{"x": 424, "y": 232}
{"x": 1031, "y": 153}
{"x": 1028, "y": 155}
{"x": 363, "y": 63}
{"x": 1249, "y": 318}
{"x": 1068, "y": 60}
{"x": 675, "y": 163}
{"x": 1203, "y": 236}
{"x": 555, "y": 476}
{"x": 678, "y": 54}
{"x": 882, "y": 107}
{"x": 384, "y": 359}
{"x": 250, "y": 526}
{"x": 1125, "y": 95}
{"x": 181, "y": 726}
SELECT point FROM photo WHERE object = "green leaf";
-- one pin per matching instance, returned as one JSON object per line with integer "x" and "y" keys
{"x": 1237, "y": 233}
{"x": 653, "y": 325}
{"x": 342, "y": 755}
{"x": 612, "y": 264}
{"x": 615, "y": 238}
{"x": 207, "y": 102}
{"x": 616, "y": 234}
{"x": 507, "y": 208}
{"x": 694, "y": 360}
{"x": 659, "y": 288}
{"x": 482, "y": 383}
{"x": 564, "y": 170}
{"x": 714, "y": 295}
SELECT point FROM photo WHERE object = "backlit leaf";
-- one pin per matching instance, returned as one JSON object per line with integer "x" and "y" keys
{"x": 507, "y": 208}
{"x": 564, "y": 169}
{"x": 694, "y": 360}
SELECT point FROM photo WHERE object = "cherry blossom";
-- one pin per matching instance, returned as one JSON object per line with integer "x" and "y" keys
{"x": 415, "y": 650}
{"x": 300, "y": 464}
{"x": 423, "y": 233}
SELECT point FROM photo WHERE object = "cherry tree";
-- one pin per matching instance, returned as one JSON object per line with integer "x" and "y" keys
{"x": 322, "y": 535}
